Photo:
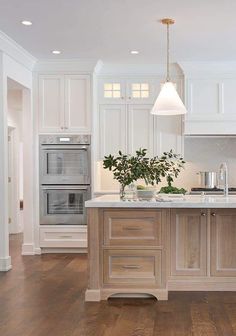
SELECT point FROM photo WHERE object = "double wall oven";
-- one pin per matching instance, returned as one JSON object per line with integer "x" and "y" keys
{"x": 64, "y": 179}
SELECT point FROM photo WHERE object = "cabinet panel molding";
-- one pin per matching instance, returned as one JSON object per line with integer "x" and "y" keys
{"x": 51, "y": 103}
{"x": 132, "y": 227}
{"x": 112, "y": 129}
{"x": 77, "y": 103}
{"x": 223, "y": 242}
{"x": 188, "y": 242}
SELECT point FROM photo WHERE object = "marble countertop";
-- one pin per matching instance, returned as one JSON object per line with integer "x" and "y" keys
{"x": 189, "y": 201}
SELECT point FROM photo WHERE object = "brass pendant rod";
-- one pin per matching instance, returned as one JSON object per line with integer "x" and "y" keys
{"x": 167, "y": 22}
{"x": 168, "y": 54}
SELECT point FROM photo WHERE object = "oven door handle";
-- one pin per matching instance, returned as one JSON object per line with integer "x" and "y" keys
{"x": 65, "y": 187}
{"x": 66, "y": 147}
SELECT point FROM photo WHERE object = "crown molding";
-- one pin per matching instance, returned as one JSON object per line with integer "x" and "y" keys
{"x": 71, "y": 65}
{"x": 213, "y": 68}
{"x": 16, "y": 52}
{"x": 107, "y": 69}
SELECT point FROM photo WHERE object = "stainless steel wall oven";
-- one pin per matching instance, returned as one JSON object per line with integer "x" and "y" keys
{"x": 64, "y": 179}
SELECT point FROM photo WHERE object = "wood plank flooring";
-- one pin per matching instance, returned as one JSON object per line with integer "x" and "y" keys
{"x": 44, "y": 296}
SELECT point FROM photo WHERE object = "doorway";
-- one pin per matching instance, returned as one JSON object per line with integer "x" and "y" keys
{"x": 15, "y": 120}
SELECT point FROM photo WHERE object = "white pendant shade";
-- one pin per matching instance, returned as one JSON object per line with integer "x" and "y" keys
{"x": 168, "y": 102}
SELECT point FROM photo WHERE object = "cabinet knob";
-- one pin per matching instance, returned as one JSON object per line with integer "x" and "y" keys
{"x": 213, "y": 214}
{"x": 62, "y": 127}
{"x": 203, "y": 214}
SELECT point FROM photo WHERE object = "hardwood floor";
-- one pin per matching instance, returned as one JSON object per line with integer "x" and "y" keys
{"x": 44, "y": 296}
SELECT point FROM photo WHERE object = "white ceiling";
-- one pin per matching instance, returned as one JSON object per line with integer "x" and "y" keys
{"x": 205, "y": 30}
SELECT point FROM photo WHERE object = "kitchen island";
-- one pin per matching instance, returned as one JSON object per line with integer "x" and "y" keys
{"x": 149, "y": 248}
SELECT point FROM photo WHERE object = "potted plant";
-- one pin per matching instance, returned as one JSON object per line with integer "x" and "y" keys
{"x": 127, "y": 169}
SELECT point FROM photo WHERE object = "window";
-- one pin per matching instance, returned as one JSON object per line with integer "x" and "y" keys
{"x": 140, "y": 90}
{"x": 112, "y": 90}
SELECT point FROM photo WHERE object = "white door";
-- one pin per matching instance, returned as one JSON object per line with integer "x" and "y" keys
{"x": 77, "y": 103}
{"x": 51, "y": 103}
{"x": 112, "y": 129}
{"x": 140, "y": 129}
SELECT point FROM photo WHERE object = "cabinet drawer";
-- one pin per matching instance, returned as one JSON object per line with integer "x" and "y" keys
{"x": 132, "y": 227}
{"x": 132, "y": 267}
{"x": 63, "y": 237}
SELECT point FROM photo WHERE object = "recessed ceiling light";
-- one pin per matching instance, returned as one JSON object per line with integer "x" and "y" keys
{"x": 56, "y": 52}
{"x": 26, "y": 23}
{"x": 134, "y": 52}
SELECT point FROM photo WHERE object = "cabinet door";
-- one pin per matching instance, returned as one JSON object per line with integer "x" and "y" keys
{"x": 77, "y": 103}
{"x": 112, "y": 129}
{"x": 51, "y": 103}
{"x": 140, "y": 131}
{"x": 112, "y": 90}
{"x": 168, "y": 134}
{"x": 141, "y": 91}
{"x": 188, "y": 242}
{"x": 223, "y": 242}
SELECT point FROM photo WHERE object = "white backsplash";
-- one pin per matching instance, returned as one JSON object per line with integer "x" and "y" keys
{"x": 201, "y": 154}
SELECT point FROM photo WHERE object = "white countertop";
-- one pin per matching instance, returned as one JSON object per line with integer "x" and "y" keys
{"x": 189, "y": 201}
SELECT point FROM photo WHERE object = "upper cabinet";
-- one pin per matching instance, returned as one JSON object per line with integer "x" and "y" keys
{"x": 125, "y": 121}
{"x": 119, "y": 90}
{"x": 210, "y": 99}
{"x": 64, "y": 103}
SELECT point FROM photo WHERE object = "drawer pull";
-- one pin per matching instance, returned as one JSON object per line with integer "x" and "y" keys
{"x": 131, "y": 266}
{"x": 65, "y": 236}
{"x": 213, "y": 214}
{"x": 132, "y": 228}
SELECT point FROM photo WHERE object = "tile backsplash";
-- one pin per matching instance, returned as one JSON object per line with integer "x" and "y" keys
{"x": 201, "y": 154}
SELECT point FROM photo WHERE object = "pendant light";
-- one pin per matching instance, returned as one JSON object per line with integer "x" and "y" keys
{"x": 168, "y": 101}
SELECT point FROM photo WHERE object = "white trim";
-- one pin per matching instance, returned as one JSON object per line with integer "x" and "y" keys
{"x": 208, "y": 69}
{"x": 28, "y": 249}
{"x": 67, "y": 66}
{"x": 18, "y": 53}
{"x": 139, "y": 70}
{"x": 37, "y": 251}
{"x": 5, "y": 264}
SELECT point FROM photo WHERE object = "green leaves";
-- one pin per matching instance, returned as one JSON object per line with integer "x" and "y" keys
{"x": 127, "y": 169}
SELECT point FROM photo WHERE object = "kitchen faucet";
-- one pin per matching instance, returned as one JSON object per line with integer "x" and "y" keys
{"x": 223, "y": 178}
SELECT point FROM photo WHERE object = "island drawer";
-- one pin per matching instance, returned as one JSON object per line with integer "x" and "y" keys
{"x": 132, "y": 267}
{"x": 132, "y": 227}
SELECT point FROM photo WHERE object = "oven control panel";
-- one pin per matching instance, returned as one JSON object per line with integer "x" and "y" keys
{"x": 81, "y": 139}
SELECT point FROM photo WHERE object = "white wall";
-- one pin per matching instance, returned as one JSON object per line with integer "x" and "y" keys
{"x": 10, "y": 68}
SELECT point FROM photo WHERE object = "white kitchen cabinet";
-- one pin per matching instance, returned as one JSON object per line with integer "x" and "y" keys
{"x": 77, "y": 103}
{"x": 168, "y": 134}
{"x": 111, "y": 90}
{"x": 64, "y": 103}
{"x": 127, "y": 91}
{"x": 51, "y": 103}
{"x": 211, "y": 106}
{"x": 140, "y": 128}
{"x": 112, "y": 129}
{"x": 59, "y": 236}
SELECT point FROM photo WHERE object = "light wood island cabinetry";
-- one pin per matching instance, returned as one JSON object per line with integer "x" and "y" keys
{"x": 145, "y": 250}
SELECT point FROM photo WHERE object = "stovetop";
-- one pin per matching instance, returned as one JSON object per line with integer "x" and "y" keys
{"x": 209, "y": 191}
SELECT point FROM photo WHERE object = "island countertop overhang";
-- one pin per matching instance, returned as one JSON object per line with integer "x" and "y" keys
{"x": 189, "y": 201}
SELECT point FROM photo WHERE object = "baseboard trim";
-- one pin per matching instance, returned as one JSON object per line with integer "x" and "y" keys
{"x": 5, "y": 264}
{"x": 37, "y": 251}
{"x": 28, "y": 249}
{"x": 181, "y": 285}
